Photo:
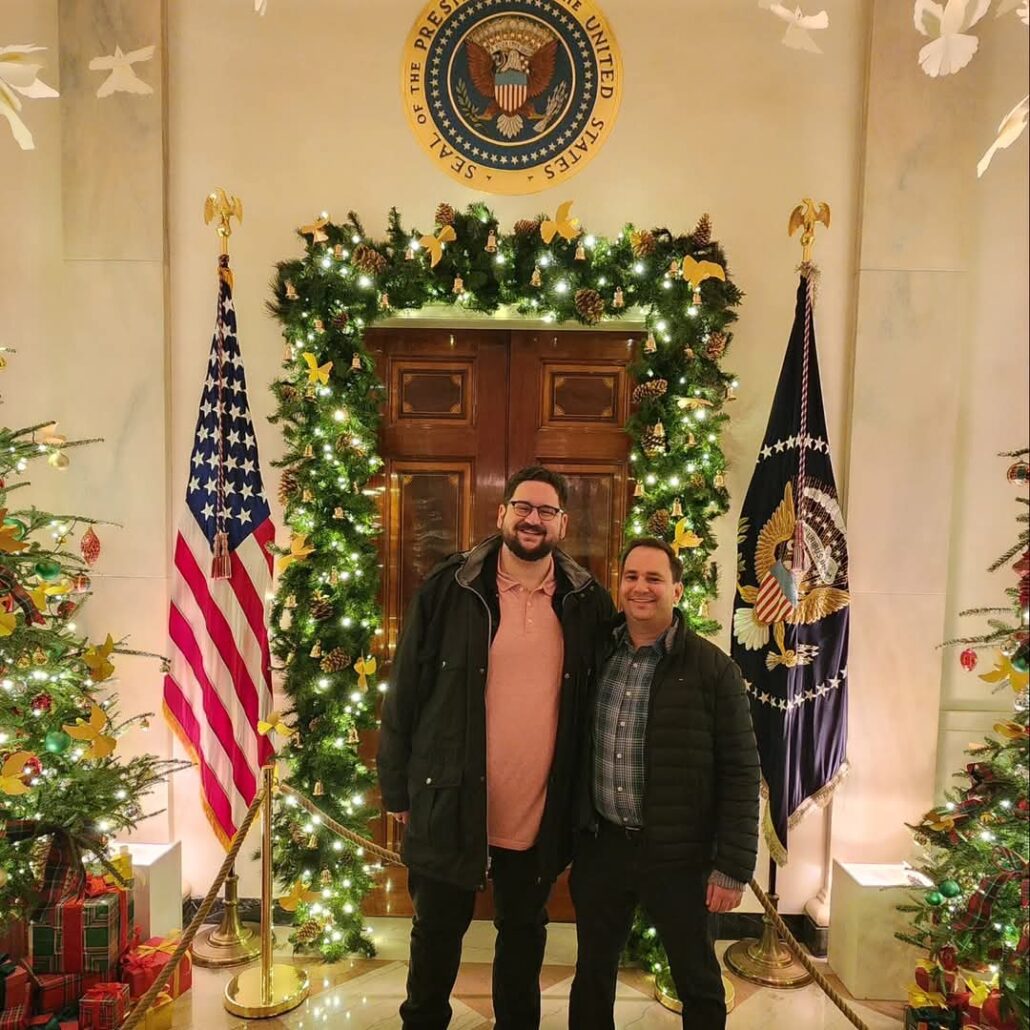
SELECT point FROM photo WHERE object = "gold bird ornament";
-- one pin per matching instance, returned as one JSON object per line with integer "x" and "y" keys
{"x": 561, "y": 225}
{"x": 434, "y": 244}
{"x": 299, "y": 550}
{"x": 11, "y": 782}
{"x": 685, "y": 538}
{"x": 696, "y": 272}
{"x": 273, "y": 724}
{"x": 317, "y": 373}
{"x": 316, "y": 230}
{"x": 299, "y": 894}
{"x": 92, "y": 730}
{"x": 97, "y": 660}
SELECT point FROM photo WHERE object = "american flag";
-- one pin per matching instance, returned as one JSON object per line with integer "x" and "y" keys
{"x": 219, "y": 681}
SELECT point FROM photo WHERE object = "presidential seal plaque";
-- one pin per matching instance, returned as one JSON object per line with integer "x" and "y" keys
{"x": 511, "y": 96}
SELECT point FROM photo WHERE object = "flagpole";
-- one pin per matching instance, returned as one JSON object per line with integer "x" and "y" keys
{"x": 232, "y": 942}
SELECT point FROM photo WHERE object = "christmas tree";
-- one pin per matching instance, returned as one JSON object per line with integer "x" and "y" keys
{"x": 325, "y": 620}
{"x": 59, "y": 723}
{"x": 974, "y": 917}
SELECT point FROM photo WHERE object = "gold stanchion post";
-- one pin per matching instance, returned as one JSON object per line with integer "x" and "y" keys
{"x": 266, "y": 990}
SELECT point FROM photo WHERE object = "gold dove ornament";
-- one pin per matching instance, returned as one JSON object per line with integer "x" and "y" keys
{"x": 316, "y": 230}
{"x": 561, "y": 225}
{"x": 299, "y": 550}
{"x": 685, "y": 538}
{"x": 299, "y": 894}
{"x": 696, "y": 272}
{"x": 92, "y": 730}
{"x": 434, "y": 244}
{"x": 317, "y": 373}
{"x": 97, "y": 660}
{"x": 11, "y": 782}
{"x": 273, "y": 724}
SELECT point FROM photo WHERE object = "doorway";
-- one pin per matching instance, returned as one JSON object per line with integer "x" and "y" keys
{"x": 465, "y": 409}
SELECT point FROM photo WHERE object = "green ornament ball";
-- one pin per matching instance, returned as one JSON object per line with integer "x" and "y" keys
{"x": 48, "y": 570}
{"x": 19, "y": 527}
{"x": 57, "y": 742}
{"x": 935, "y": 898}
{"x": 1021, "y": 663}
{"x": 949, "y": 888}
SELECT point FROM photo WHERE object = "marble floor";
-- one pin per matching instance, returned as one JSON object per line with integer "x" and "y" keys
{"x": 363, "y": 994}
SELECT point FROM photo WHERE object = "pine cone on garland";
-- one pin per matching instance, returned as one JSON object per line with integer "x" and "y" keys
{"x": 336, "y": 661}
{"x": 589, "y": 305}
{"x": 716, "y": 346}
{"x": 445, "y": 214}
{"x": 650, "y": 390}
{"x": 289, "y": 483}
{"x": 526, "y": 227}
{"x": 340, "y": 321}
{"x": 658, "y": 523}
{"x": 309, "y": 932}
{"x": 297, "y": 835}
{"x": 289, "y": 393}
{"x": 702, "y": 234}
{"x": 642, "y": 242}
{"x": 368, "y": 259}
{"x": 652, "y": 443}
{"x": 321, "y": 606}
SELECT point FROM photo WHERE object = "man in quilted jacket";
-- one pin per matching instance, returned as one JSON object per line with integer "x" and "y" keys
{"x": 668, "y": 801}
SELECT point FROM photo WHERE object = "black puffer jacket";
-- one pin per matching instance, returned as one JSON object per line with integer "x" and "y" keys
{"x": 702, "y": 772}
{"x": 432, "y": 744}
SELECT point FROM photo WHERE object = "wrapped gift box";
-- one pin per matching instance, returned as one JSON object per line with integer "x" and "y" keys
{"x": 143, "y": 964}
{"x": 15, "y": 1017}
{"x": 85, "y": 935}
{"x": 53, "y": 1021}
{"x": 932, "y": 1019}
{"x": 15, "y": 985}
{"x": 104, "y": 1006}
{"x": 56, "y": 991}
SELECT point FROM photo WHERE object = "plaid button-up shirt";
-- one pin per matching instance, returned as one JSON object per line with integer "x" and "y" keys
{"x": 620, "y": 727}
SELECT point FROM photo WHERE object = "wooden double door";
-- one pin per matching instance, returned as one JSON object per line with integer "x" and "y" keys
{"x": 464, "y": 410}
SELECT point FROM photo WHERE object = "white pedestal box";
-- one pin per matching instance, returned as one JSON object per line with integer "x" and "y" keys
{"x": 870, "y": 961}
{"x": 157, "y": 887}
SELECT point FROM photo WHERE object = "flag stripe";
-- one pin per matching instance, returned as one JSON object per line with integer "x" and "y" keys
{"x": 182, "y": 636}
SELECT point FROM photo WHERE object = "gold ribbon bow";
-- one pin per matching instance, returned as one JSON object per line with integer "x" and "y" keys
{"x": 317, "y": 373}
{"x": 561, "y": 225}
{"x": 364, "y": 667}
{"x": 167, "y": 946}
{"x": 273, "y": 724}
{"x": 299, "y": 550}
{"x": 434, "y": 244}
{"x": 920, "y": 999}
{"x": 979, "y": 992}
{"x": 684, "y": 537}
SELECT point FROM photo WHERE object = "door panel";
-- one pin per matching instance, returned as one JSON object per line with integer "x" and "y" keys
{"x": 464, "y": 410}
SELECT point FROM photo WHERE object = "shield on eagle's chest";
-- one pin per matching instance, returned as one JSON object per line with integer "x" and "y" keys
{"x": 776, "y": 598}
{"x": 510, "y": 90}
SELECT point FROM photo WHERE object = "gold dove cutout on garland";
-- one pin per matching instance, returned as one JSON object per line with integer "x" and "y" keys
{"x": 317, "y": 373}
{"x": 561, "y": 225}
{"x": 96, "y": 659}
{"x": 364, "y": 667}
{"x": 299, "y": 894}
{"x": 315, "y": 230}
{"x": 696, "y": 272}
{"x": 299, "y": 550}
{"x": 273, "y": 724}
{"x": 92, "y": 730}
{"x": 684, "y": 538}
{"x": 434, "y": 244}
{"x": 1005, "y": 671}
{"x": 11, "y": 782}
{"x": 9, "y": 542}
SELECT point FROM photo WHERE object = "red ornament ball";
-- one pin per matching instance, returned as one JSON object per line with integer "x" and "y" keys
{"x": 66, "y": 609}
{"x": 1019, "y": 472}
{"x": 31, "y": 770}
{"x": 42, "y": 703}
{"x": 968, "y": 658}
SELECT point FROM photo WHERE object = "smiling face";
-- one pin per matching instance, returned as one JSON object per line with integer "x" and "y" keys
{"x": 528, "y": 536}
{"x": 646, "y": 589}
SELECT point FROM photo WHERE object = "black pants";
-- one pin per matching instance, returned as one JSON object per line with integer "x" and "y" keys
{"x": 608, "y": 881}
{"x": 442, "y": 915}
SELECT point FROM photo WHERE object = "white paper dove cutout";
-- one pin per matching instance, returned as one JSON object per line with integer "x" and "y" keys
{"x": 954, "y": 47}
{"x": 123, "y": 78}
{"x": 1011, "y": 128}
{"x": 799, "y": 25}
{"x": 19, "y": 75}
{"x": 261, "y": 6}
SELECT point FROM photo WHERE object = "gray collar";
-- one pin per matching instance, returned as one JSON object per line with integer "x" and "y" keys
{"x": 472, "y": 565}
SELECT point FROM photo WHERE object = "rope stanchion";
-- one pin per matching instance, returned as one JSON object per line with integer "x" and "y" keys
{"x": 390, "y": 857}
{"x": 799, "y": 953}
{"x": 139, "y": 1011}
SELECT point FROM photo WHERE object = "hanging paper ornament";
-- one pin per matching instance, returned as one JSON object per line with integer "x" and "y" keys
{"x": 56, "y": 742}
{"x": 581, "y": 252}
{"x": 316, "y": 651}
{"x": 338, "y": 251}
{"x": 326, "y": 878}
{"x": 677, "y": 509}
{"x": 536, "y": 279}
{"x": 638, "y": 490}
{"x": 291, "y": 601}
{"x": 307, "y": 496}
{"x": 618, "y": 301}
{"x": 352, "y": 735}
{"x": 355, "y": 362}
{"x": 650, "y": 344}
{"x": 312, "y": 842}
{"x": 719, "y": 480}
{"x": 41, "y": 703}
{"x": 459, "y": 286}
{"x": 47, "y": 570}
{"x": 674, "y": 269}
{"x": 291, "y": 290}
{"x": 319, "y": 790}
{"x": 89, "y": 546}
{"x": 491, "y": 243}
{"x": 969, "y": 658}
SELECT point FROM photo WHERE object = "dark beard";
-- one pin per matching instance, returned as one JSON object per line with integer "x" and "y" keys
{"x": 543, "y": 549}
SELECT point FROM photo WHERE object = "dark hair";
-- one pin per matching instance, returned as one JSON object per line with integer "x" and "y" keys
{"x": 538, "y": 474}
{"x": 675, "y": 564}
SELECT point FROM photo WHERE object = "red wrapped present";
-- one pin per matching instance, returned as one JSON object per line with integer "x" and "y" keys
{"x": 55, "y": 991}
{"x": 15, "y": 1017}
{"x": 143, "y": 964}
{"x": 984, "y": 1012}
{"x": 52, "y": 1021}
{"x": 104, "y": 1006}
{"x": 87, "y": 934}
{"x": 14, "y": 940}
{"x": 15, "y": 984}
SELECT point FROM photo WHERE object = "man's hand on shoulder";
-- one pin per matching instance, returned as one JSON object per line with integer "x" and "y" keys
{"x": 723, "y": 899}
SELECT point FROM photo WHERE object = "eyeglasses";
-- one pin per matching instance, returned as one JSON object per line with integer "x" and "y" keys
{"x": 546, "y": 511}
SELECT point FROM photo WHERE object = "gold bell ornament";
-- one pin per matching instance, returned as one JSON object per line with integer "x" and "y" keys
{"x": 618, "y": 301}
{"x": 536, "y": 279}
{"x": 676, "y": 511}
{"x": 355, "y": 362}
{"x": 650, "y": 344}
{"x": 638, "y": 490}
{"x": 459, "y": 286}
{"x": 491, "y": 243}
{"x": 581, "y": 252}
{"x": 291, "y": 290}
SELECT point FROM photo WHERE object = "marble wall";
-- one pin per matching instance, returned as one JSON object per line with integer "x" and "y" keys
{"x": 922, "y": 317}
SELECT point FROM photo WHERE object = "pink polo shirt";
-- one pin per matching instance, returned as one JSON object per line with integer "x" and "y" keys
{"x": 523, "y": 686}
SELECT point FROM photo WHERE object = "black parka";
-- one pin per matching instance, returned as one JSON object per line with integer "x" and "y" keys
{"x": 432, "y": 743}
{"x": 702, "y": 771}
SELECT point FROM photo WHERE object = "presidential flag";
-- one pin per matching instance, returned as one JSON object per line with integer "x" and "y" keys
{"x": 791, "y": 609}
{"x": 219, "y": 682}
